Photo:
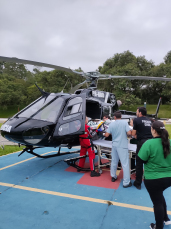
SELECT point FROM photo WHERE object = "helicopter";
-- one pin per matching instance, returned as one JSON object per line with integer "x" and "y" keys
{"x": 57, "y": 119}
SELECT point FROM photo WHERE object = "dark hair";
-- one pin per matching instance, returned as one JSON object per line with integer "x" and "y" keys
{"x": 142, "y": 110}
{"x": 107, "y": 116}
{"x": 152, "y": 120}
{"x": 163, "y": 133}
{"x": 117, "y": 114}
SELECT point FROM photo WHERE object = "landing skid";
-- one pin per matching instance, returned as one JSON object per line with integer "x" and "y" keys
{"x": 72, "y": 162}
{"x": 30, "y": 150}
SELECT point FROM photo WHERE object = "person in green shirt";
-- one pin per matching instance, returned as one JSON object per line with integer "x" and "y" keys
{"x": 156, "y": 156}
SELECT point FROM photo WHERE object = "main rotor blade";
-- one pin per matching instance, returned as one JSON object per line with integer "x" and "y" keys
{"x": 101, "y": 77}
{"x": 77, "y": 87}
{"x": 16, "y": 60}
{"x": 79, "y": 73}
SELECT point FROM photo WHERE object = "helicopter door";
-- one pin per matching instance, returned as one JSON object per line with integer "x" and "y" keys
{"x": 72, "y": 120}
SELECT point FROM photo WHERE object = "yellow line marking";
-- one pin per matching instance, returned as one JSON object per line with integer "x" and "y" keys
{"x": 25, "y": 160}
{"x": 80, "y": 197}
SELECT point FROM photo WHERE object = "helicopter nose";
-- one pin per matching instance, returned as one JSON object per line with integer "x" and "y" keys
{"x": 10, "y": 136}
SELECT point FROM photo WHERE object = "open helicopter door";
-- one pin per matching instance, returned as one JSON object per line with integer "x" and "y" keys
{"x": 72, "y": 120}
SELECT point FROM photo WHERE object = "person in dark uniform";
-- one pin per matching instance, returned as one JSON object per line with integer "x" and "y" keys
{"x": 141, "y": 128}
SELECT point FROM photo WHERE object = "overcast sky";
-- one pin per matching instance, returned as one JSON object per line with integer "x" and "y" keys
{"x": 84, "y": 33}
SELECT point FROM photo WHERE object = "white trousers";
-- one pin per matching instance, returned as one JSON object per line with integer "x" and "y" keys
{"x": 123, "y": 155}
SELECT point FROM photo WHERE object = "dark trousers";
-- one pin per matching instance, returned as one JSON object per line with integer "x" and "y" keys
{"x": 139, "y": 163}
{"x": 155, "y": 189}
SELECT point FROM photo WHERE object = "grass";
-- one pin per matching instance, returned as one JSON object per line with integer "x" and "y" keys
{"x": 164, "y": 111}
{"x": 10, "y": 111}
{"x": 168, "y": 128}
{"x": 10, "y": 149}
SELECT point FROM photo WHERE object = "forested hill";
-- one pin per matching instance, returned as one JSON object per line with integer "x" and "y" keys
{"x": 17, "y": 83}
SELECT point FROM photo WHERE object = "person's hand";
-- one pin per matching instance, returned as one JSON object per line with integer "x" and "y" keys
{"x": 99, "y": 130}
{"x": 129, "y": 136}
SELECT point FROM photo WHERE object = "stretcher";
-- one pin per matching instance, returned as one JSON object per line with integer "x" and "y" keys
{"x": 104, "y": 149}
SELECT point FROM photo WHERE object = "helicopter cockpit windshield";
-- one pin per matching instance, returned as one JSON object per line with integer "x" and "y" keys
{"x": 46, "y": 109}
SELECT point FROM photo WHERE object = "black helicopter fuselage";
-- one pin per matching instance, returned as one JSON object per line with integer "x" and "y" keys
{"x": 57, "y": 119}
{"x": 34, "y": 125}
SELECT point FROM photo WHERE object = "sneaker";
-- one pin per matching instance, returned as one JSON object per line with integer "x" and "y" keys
{"x": 167, "y": 222}
{"x": 94, "y": 174}
{"x": 137, "y": 186}
{"x": 153, "y": 226}
{"x": 128, "y": 185}
{"x": 113, "y": 179}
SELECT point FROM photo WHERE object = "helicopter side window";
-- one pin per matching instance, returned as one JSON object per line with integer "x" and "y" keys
{"x": 69, "y": 128}
{"x": 74, "y": 107}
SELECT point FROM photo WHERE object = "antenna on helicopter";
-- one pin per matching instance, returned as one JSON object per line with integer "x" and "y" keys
{"x": 66, "y": 84}
{"x": 45, "y": 94}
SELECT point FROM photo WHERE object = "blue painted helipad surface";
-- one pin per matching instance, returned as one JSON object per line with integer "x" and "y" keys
{"x": 42, "y": 193}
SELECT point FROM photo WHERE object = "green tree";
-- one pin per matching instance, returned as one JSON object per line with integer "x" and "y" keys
{"x": 15, "y": 69}
{"x": 14, "y": 80}
{"x": 156, "y": 89}
{"x": 126, "y": 64}
{"x": 167, "y": 58}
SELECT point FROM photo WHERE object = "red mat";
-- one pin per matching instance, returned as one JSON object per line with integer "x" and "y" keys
{"x": 103, "y": 181}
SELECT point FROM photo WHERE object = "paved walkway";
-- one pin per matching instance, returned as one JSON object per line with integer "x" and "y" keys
{"x": 4, "y": 141}
{"x": 2, "y": 120}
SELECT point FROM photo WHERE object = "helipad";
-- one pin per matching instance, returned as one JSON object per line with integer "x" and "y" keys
{"x": 47, "y": 193}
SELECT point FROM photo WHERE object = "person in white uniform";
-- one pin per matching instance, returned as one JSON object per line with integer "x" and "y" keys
{"x": 119, "y": 131}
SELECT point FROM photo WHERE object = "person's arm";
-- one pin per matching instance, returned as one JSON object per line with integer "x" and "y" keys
{"x": 128, "y": 130}
{"x": 134, "y": 131}
{"x": 106, "y": 135}
{"x": 129, "y": 133}
{"x": 141, "y": 160}
{"x": 108, "y": 131}
{"x": 89, "y": 131}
